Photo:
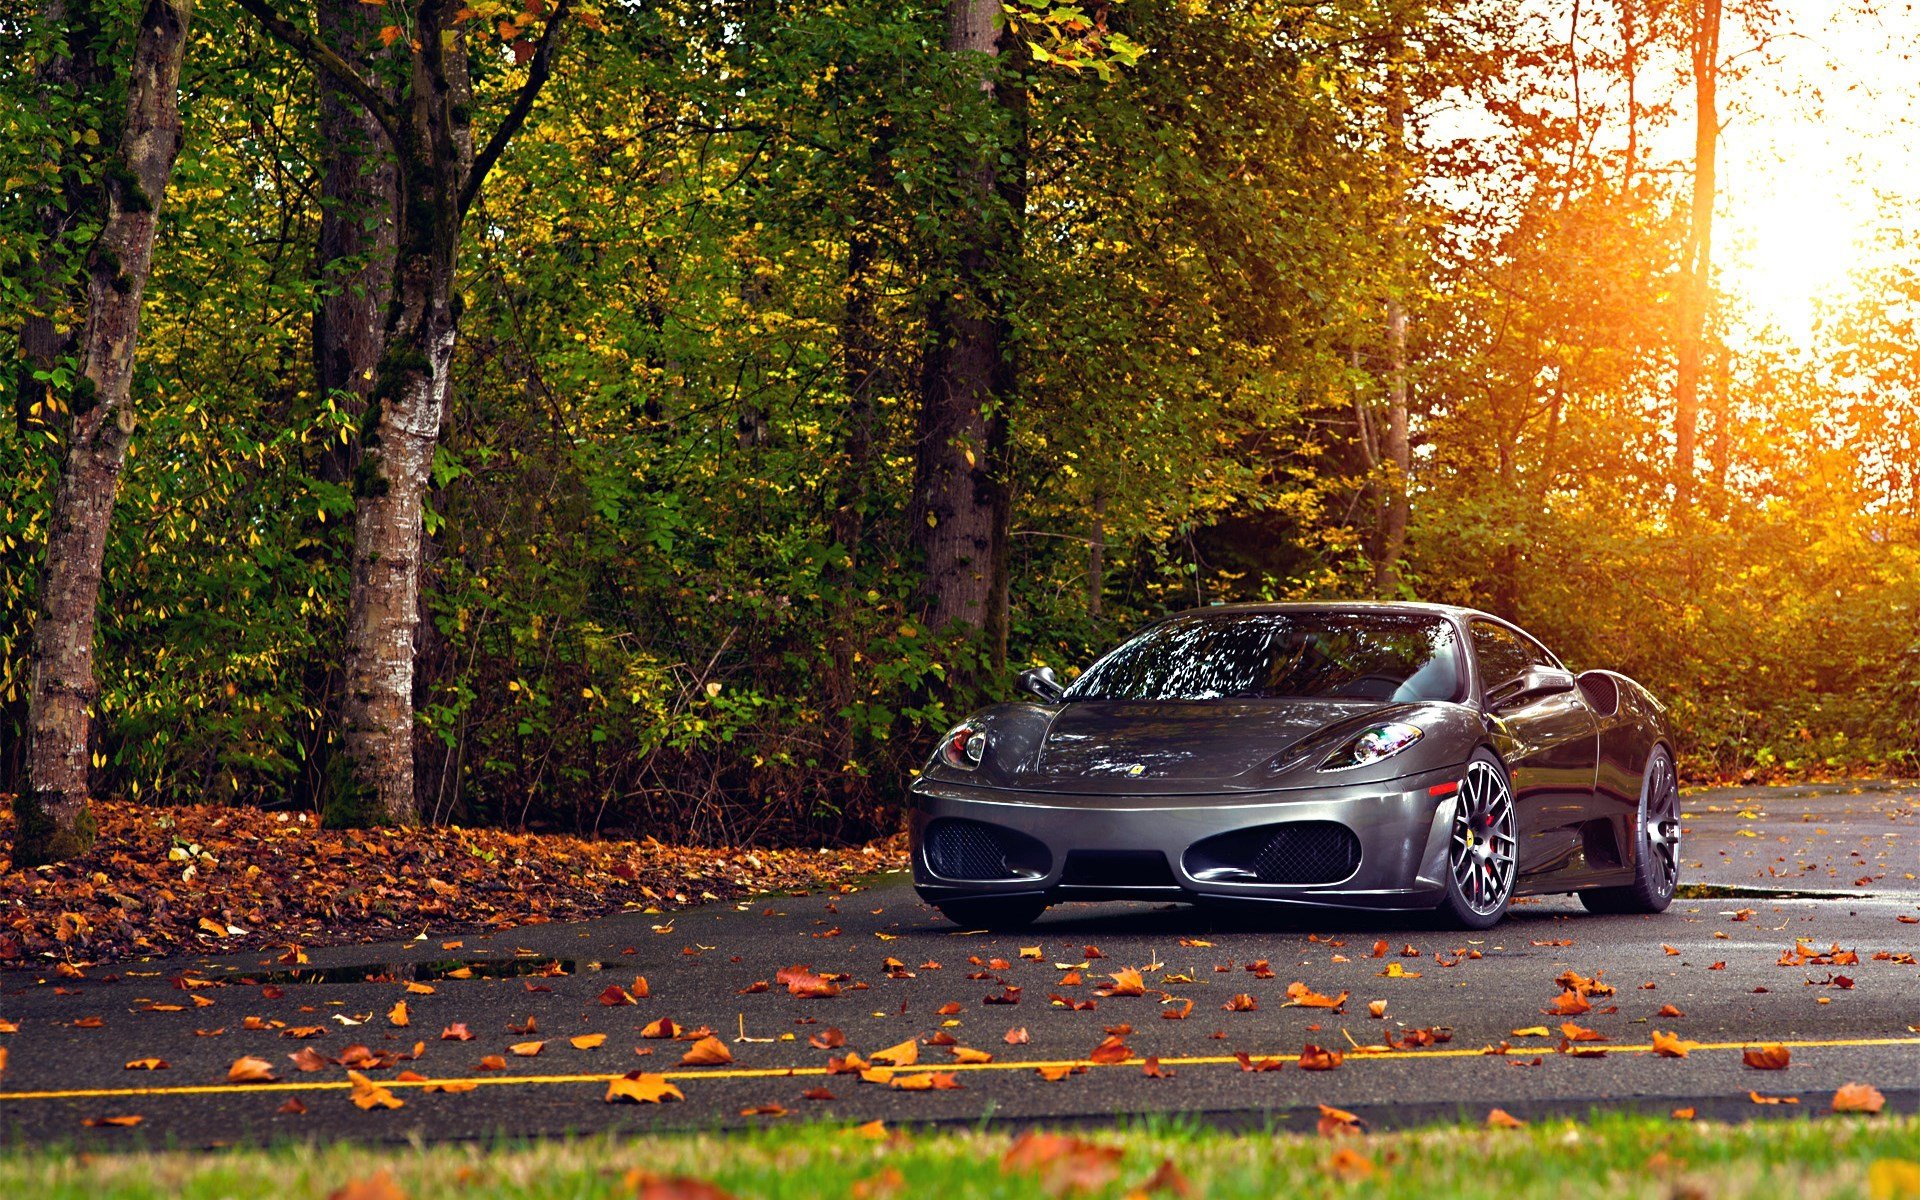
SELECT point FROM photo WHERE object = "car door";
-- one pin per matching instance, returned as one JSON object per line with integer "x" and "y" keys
{"x": 1550, "y": 744}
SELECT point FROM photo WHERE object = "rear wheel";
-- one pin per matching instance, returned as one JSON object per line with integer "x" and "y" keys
{"x": 999, "y": 913}
{"x": 1482, "y": 849}
{"x": 1656, "y": 857}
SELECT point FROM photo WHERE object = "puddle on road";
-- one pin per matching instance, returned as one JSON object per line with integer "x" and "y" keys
{"x": 1721, "y": 891}
{"x": 422, "y": 972}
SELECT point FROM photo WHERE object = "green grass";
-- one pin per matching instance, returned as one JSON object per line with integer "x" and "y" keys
{"x": 1603, "y": 1159}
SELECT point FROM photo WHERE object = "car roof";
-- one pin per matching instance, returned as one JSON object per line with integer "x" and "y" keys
{"x": 1379, "y": 606}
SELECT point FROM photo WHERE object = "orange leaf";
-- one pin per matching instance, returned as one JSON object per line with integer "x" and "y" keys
{"x": 1757, "y": 1098}
{"x": 1858, "y": 1098}
{"x": 1500, "y": 1118}
{"x": 138, "y": 1064}
{"x": 126, "y": 1122}
{"x": 707, "y": 1052}
{"x": 1299, "y": 995}
{"x": 905, "y": 1054}
{"x": 1683, "y": 1114}
{"x": 1126, "y": 982}
{"x": 1241, "y": 1002}
{"x": 1668, "y": 1010}
{"x": 397, "y": 1015}
{"x": 1771, "y": 1057}
{"x": 967, "y": 1055}
{"x": 1112, "y": 1050}
{"x": 1313, "y": 1058}
{"x": 390, "y": 34}
{"x": 492, "y": 1062}
{"x": 1337, "y": 1121}
{"x": 526, "y": 1049}
{"x": 588, "y": 1041}
{"x": 1017, "y": 1037}
{"x": 637, "y": 1087}
{"x": 925, "y": 1081}
{"x": 250, "y": 1070}
{"x": 455, "y": 1032}
{"x": 1668, "y": 1045}
{"x": 368, "y": 1095}
{"x": 1349, "y": 1164}
{"x": 663, "y": 1028}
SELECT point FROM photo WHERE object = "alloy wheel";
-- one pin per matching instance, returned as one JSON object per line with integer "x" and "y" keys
{"x": 1484, "y": 848}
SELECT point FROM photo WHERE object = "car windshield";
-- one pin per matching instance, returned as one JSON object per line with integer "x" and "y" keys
{"x": 1281, "y": 655}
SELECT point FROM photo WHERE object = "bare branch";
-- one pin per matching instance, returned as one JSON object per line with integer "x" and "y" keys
{"x": 537, "y": 73}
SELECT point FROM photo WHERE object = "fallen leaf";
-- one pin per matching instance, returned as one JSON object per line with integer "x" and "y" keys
{"x": 526, "y": 1049}
{"x": 138, "y": 1064}
{"x": 1858, "y": 1098}
{"x": 1757, "y": 1098}
{"x": 293, "y": 1107}
{"x": 1772, "y": 1057}
{"x": 966, "y": 1054}
{"x": 1127, "y": 981}
{"x": 126, "y": 1122}
{"x": 905, "y": 1054}
{"x": 1337, "y": 1122}
{"x": 1064, "y": 1163}
{"x": 1313, "y": 1058}
{"x": 1241, "y": 1002}
{"x": 637, "y": 1087}
{"x": 1016, "y": 1037}
{"x": 1350, "y": 1165}
{"x": 368, "y": 1095}
{"x": 588, "y": 1041}
{"x": 455, "y": 1032}
{"x": 1377, "y": 1009}
{"x": 662, "y": 1028}
{"x": 250, "y": 1070}
{"x": 1669, "y": 1045}
{"x": 707, "y": 1052}
{"x": 1682, "y": 1114}
{"x": 1500, "y": 1118}
{"x": 397, "y": 1015}
{"x": 1112, "y": 1050}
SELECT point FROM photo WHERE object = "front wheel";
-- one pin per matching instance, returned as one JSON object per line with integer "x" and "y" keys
{"x": 999, "y": 914}
{"x": 1482, "y": 849}
{"x": 1656, "y": 850}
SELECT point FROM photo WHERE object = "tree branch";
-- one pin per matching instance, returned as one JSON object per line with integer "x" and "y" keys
{"x": 537, "y": 74}
{"x": 316, "y": 52}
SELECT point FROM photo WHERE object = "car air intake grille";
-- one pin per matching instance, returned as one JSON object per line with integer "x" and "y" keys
{"x": 1308, "y": 852}
{"x": 967, "y": 850}
{"x": 1117, "y": 868}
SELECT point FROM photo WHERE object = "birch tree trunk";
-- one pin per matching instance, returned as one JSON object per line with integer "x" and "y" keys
{"x": 52, "y": 821}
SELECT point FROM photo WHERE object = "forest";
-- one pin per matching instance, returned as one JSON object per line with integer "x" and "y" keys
{"x": 664, "y": 417}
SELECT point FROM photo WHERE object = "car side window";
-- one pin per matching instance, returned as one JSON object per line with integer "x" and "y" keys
{"x": 1503, "y": 655}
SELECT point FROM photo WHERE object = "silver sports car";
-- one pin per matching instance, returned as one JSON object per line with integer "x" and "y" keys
{"x": 1380, "y": 756}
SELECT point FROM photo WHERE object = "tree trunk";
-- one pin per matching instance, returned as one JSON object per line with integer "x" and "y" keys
{"x": 51, "y": 818}
{"x": 1699, "y": 252}
{"x": 438, "y": 175}
{"x": 1395, "y": 451}
{"x": 961, "y": 418}
{"x": 353, "y": 259}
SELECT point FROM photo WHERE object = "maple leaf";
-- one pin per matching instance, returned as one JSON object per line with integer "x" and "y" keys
{"x": 816, "y": 1093}
{"x": 397, "y": 1015}
{"x": 1313, "y": 1058}
{"x": 1153, "y": 1070}
{"x": 1112, "y": 1050}
{"x": 1016, "y": 1037}
{"x": 1241, "y": 1002}
{"x": 1569, "y": 1003}
{"x": 1683, "y": 1114}
{"x": 368, "y": 1095}
{"x": 1500, "y": 1118}
{"x": 905, "y": 1054}
{"x": 1247, "y": 1062}
{"x": 588, "y": 1041}
{"x": 1578, "y": 1033}
{"x": 707, "y": 1052}
{"x": 492, "y": 1062}
{"x": 1858, "y": 1098}
{"x": 617, "y": 995}
{"x": 1377, "y": 1009}
{"x": 294, "y": 1106}
{"x": 526, "y": 1049}
{"x": 1177, "y": 1010}
{"x": 1668, "y": 1010}
{"x": 1757, "y": 1098}
{"x": 1127, "y": 981}
{"x": 966, "y": 1054}
{"x": 806, "y": 984}
{"x": 1669, "y": 1045}
{"x": 306, "y": 1058}
{"x": 662, "y": 1028}
{"x": 925, "y": 1081}
{"x": 138, "y": 1064}
{"x": 123, "y": 1122}
{"x": 1772, "y": 1057}
{"x": 456, "y": 1032}
{"x": 451, "y": 1087}
{"x": 1299, "y": 995}
{"x": 1056, "y": 1074}
{"x": 250, "y": 1070}
{"x": 638, "y": 1087}
{"x": 827, "y": 1039}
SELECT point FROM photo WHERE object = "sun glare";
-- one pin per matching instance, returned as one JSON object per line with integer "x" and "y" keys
{"x": 1788, "y": 250}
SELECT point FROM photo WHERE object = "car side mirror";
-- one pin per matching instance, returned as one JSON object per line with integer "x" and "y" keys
{"x": 1537, "y": 683}
{"x": 1039, "y": 681}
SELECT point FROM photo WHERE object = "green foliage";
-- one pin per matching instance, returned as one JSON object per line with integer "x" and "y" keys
{"x": 670, "y": 582}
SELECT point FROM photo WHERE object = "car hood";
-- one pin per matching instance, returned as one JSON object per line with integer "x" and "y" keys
{"x": 1210, "y": 740}
{"x": 1101, "y": 748}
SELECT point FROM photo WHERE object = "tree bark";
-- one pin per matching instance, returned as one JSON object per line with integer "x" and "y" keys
{"x": 1699, "y": 251}
{"x": 958, "y": 511}
{"x": 52, "y": 821}
{"x": 353, "y": 258}
{"x": 438, "y": 176}
{"x": 1396, "y": 449}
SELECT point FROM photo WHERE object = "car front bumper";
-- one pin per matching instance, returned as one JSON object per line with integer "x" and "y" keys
{"x": 1114, "y": 847}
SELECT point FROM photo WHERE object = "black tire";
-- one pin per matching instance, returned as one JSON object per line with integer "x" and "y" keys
{"x": 999, "y": 914}
{"x": 1483, "y": 847}
{"x": 1656, "y": 846}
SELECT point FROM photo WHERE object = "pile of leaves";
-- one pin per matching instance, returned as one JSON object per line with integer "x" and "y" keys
{"x": 204, "y": 879}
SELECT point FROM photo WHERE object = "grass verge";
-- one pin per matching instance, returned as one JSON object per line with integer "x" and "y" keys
{"x": 1611, "y": 1156}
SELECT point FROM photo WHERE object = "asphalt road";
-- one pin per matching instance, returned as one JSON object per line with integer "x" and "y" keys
{"x": 1725, "y": 960}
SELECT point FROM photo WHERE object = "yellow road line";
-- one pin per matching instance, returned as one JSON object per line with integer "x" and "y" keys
{"x": 1199, "y": 1060}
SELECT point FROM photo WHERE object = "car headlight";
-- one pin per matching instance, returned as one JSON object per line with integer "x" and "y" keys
{"x": 963, "y": 747}
{"x": 1371, "y": 745}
